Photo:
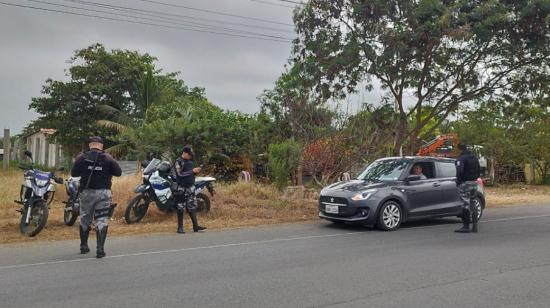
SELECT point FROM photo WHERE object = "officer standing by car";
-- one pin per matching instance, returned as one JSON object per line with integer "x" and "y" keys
{"x": 467, "y": 173}
{"x": 95, "y": 169}
{"x": 185, "y": 175}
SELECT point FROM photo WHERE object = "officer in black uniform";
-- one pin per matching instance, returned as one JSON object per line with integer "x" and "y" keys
{"x": 95, "y": 169}
{"x": 185, "y": 175}
{"x": 467, "y": 173}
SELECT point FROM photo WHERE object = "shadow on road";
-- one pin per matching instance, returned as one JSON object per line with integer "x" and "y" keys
{"x": 406, "y": 225}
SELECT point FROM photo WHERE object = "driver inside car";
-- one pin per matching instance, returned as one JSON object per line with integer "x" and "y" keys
{"x": 417, "y": 170}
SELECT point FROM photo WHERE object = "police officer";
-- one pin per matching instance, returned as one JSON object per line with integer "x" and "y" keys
{"x": 185, "y": 175}
{"x": 95, "y": 169}
{"x": 467, "y": 173}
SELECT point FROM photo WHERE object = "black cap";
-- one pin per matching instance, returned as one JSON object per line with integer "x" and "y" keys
{"x": 187, "y": 149}
{"x": 95, "y": 139}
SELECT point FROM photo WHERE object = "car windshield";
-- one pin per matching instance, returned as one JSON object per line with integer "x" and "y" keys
{"x": 383, "y": 170}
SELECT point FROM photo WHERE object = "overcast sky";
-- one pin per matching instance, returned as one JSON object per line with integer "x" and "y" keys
{"x": 36, "y": 45}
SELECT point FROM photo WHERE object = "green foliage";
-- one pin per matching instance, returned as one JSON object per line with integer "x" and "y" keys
{"x": 96, "y": 77}
{"x": 283, "y": 160}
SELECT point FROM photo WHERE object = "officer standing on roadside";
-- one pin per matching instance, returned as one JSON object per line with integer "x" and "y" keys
{"x": 467, "y": 173}
{"x": 185, "y": 175}
{"x": 95, "y": 169}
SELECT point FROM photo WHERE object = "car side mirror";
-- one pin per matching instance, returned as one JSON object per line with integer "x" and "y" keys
{"x": 413, "y": 177}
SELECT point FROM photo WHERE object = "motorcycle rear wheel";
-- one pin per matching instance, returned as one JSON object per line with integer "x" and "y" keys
{"x": 37, "y": 221}
{"x": 136, "y": 209}
{"x": 69, "y": 217}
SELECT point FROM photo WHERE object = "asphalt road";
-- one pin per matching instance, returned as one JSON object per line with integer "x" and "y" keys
{"x": 316, "y": 264}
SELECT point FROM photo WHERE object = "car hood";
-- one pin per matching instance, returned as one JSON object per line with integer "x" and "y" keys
{"x": 353, "y": 186}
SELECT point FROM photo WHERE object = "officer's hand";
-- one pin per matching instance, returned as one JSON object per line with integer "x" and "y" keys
{"x": 197, "y": 170}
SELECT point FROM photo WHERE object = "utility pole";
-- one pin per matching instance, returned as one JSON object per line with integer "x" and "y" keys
{"x": 7, "y": 149}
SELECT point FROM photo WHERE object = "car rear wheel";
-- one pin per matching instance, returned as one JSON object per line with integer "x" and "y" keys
{"x": 478, "y": 205}
{"x": 390, "y": 216}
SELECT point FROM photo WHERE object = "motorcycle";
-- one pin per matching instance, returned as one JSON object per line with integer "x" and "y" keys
{"x": 37, "y": 192}
{"x": 159, "y": 186}
{"x": 71, "y": 209}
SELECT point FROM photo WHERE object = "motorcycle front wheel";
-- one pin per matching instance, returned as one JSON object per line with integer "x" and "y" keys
{"x": 136, "y": 209}
{"x": 69, "y": 216}
{"x": 37, "y": 220}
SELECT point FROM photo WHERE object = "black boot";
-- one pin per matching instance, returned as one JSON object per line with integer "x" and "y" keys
{"x": 196, "y": 226}
{"x": 180, "y": 223}
{"x": 101, "y": 236}
{"x": 84, "y": 249}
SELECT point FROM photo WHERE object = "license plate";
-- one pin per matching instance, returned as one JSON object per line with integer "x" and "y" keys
{"x": 332, "y": 209}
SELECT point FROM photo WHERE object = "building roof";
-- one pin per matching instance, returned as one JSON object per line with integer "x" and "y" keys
{"x": 45, "y": 131}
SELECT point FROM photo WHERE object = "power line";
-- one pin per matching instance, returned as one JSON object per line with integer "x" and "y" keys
{"x": 272, "y": 3}
{"x": 138, "y": 22}
{"x": 290, "y": 1}
{"x": 194, "y": 25}
{"x": 215, "y": 12}
{"x": 165, "y": 14}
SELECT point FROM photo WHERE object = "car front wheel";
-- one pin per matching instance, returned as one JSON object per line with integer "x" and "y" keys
{"x": 390, "y": 216}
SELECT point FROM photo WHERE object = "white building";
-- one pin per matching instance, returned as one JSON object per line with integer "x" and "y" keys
{"x": 43, "y": 152}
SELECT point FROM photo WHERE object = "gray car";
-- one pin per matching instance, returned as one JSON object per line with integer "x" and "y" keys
{"x": 390, "y": 191}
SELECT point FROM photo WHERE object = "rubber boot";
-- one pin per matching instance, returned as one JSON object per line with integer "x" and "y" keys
{"x": 466, "y": 222}
{"x": 180, "y": 222}
{"x": 196, "y": 226}
{"x": 101, "y": 237}
{"x": 84, "y": 249}
{"x": 474, "y": 221}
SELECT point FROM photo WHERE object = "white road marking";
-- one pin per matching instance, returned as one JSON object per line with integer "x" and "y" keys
{"x": 241, "y": 244}
{"x": 182, "y": 250}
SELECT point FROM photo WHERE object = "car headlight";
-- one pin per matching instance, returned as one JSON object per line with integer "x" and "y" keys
{"x": 364, "y": 195}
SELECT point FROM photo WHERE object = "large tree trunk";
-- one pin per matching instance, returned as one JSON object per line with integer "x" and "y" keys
{"x": 400, "y": 135}
{"x": 300, "y": 171}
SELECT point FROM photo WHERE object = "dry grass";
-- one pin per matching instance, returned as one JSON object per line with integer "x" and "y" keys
{"x": 503, "y": 196}
{"x": 235, "y": 205}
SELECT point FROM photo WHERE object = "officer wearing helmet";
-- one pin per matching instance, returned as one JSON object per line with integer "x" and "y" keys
{"x": 95, "y": 169}
{"x": 467, "y": 173}
{"x": 185, "y": 176}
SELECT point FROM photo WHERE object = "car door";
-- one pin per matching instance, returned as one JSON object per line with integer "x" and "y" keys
{"x": 450, "y": 198}
{"x": 420, "y": 193}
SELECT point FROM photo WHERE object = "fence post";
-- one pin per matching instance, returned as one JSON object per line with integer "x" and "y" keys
{"x": 7, "y": 149}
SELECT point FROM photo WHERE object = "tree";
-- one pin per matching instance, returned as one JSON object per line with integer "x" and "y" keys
{"x": 295, "y": 111}
{"x": 441, "y": 54}
{"x": 96, "y": 77}
{"x": 153, "y": 91}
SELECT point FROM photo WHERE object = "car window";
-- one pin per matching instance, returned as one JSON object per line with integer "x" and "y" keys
{"x": 446, "y": 170}
{"x": 426, "y": 168}
{"x": 384, "y": 170}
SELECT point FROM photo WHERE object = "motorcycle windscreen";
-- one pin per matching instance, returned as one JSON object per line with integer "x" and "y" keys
{"x": 152, "y": 167}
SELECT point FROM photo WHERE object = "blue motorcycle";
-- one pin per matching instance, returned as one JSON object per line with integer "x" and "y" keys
{"x": 37, "y": 191}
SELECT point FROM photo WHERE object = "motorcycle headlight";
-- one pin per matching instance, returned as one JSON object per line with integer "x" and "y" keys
{"x": 364, "y": 195}
{"x": 42, "y": 183}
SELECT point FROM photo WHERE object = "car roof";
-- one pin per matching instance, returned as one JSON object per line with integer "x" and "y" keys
{"x": 420, "y": 158}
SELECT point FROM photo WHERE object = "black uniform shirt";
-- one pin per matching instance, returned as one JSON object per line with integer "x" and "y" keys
{"x": 184, "y": 171}
{"x": 467, "y": 167}
{"x": 105, "y": 168}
